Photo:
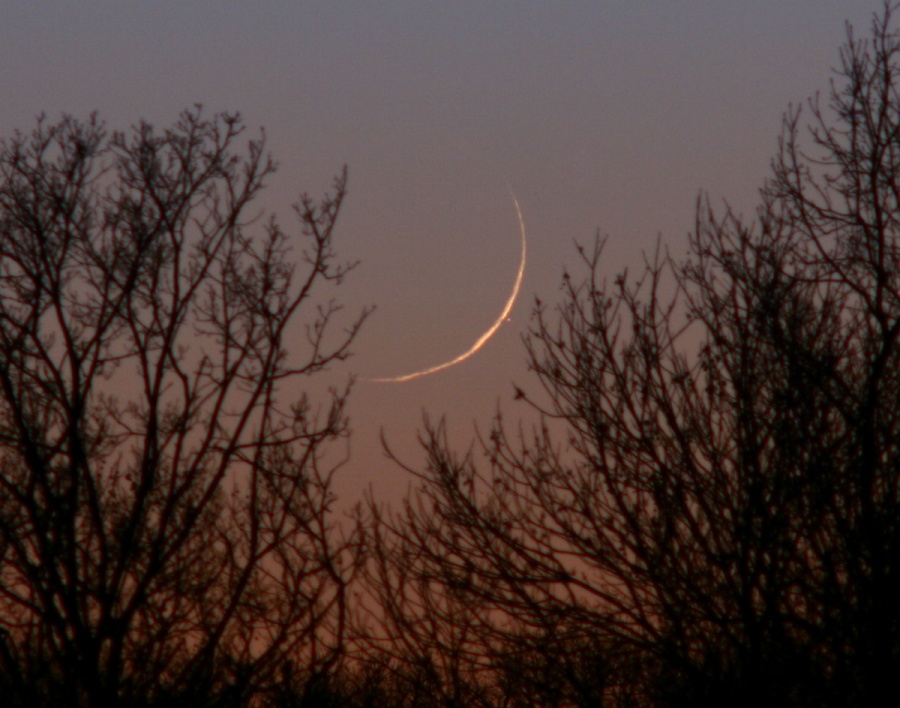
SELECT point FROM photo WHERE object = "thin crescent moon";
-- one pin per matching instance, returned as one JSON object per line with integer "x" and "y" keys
{"x": 482, "y": 340}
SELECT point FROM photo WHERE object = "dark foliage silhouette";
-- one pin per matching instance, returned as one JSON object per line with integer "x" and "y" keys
{"x": 165, "y": 534}
{"x": 709, "y": 511}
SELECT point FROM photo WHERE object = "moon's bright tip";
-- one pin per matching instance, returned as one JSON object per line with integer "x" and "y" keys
{"x": 483, "y": 339}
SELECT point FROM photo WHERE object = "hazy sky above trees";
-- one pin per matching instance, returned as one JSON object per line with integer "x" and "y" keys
{"x": 609, "y": 115}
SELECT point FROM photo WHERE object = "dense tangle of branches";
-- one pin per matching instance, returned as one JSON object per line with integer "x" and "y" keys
{"x": 164, "y": 510}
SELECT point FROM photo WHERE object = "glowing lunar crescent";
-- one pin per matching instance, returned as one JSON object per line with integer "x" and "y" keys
{"x": 482, "y": 340}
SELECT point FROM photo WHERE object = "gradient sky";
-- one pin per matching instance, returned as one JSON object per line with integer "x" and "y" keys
{"x": 608, "y": 116}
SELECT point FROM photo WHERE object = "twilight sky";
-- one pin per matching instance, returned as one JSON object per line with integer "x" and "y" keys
{"x": 609, "y": 115}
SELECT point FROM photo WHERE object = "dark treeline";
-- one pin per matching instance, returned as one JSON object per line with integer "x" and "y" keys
{"x": 707, "y": 513}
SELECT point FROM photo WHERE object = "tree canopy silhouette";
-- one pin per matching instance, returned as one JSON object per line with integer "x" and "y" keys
{"x": 709, "y": 511}
{"x": 164, "y": 506}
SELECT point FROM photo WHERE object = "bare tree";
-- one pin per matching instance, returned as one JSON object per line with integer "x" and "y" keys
{"x": 164, "y": 518}
{"x": 713, "y": 496}
{"x": 427, "y": 645}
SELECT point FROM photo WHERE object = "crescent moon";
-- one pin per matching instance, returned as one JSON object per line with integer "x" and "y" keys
{"x": 482, "y": 340}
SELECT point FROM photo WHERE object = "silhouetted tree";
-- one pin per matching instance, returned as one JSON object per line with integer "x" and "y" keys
{"x": 165, "y": 534}
{"x": 427, "y": 644}
{"x": 712, "y": 500}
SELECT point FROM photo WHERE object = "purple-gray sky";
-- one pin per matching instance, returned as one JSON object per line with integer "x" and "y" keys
{"x": 608, "y": 115}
